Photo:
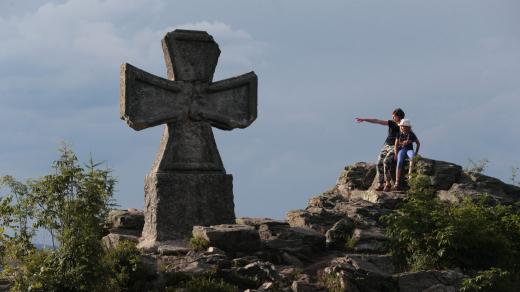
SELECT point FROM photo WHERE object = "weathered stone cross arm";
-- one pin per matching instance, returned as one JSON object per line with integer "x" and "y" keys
{"x": 148, "y": 100}
{"x": 230, "y": 103}
{"x": 188, "y": 93}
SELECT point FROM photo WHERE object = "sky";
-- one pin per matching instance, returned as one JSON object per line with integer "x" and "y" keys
{"x": 453, "y": 66}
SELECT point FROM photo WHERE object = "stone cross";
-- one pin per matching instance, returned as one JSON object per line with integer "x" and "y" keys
{"x": 188, "y": 184}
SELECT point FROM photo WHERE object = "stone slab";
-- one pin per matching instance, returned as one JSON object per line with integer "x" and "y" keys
{"x": 230, "y": 237}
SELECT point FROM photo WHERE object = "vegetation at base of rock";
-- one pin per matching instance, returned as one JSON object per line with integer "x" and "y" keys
{"x": 197, "y": 283}
{"x": 477, "y": 166}
{"x": 350, "y": 243}
{"x": 198, "y": 243}
{"x": 125, "y": 268}
{"x": 514, "y": 176}
{"x": 492, "y": 280}
{"x": 475, "y": 235}
{"x": 71, "y": 203}
{"x": 330, "y": 281}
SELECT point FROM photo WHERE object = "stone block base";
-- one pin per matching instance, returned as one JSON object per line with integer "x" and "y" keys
{"x": 175, "y": 202}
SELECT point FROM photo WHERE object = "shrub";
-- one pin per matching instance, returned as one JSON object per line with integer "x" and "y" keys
{"x": 126, "y": 269}
{"x": 350, "y": 243}
{"x": 71, "y": 203}
{"x": 198, "y": 243}
{"x": 330, "y": 281}
{"x": 428, "y": 233}
{"x": 204, "y": 284}
{"x": 492, "y": 280}
{"x": 477, "y": 166}
{"x": 197, "y": 283}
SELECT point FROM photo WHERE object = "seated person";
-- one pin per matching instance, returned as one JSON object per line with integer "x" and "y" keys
{"x": 404, "y": 147}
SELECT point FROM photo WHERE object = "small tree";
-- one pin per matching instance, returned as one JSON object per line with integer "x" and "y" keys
{"x": 71, "y": 204}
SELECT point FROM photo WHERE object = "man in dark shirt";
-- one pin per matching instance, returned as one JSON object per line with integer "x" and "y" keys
{"x": 386, "y": 155}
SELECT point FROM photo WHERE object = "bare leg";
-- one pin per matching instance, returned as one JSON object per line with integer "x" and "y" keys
{"x": 411, "y": 155}
{"x": 398, "y": 176}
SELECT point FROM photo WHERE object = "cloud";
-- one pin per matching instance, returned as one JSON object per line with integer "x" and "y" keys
{"x": 66, "y": 52}
{"x": 238, "y": 48}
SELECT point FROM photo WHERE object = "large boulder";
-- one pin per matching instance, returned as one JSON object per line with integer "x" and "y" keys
{"x": 474, "y": 184}
{"x": 194, "y": 263}
{"x": 230, "y": 237}
{"x": 260, "y": 271}
{"x": 112, "y": 240}
{"x": 336, "y": 237}
{"x": 385, "y": 199}
{"x": 431, "y": 281}
{"x": 369, "y": 240}
{"x": 292, "y": 243}
{"x": 128, "y": 222}
{"x": 359, "y": 272}
{"x": 364, "y": 213}
{"x": 302, "y": 286}
{"x": 317, "y": 218}
{"x": 442, "y": 174}
{"x": 328, "y": 199}
{"x": 357, "y": 176}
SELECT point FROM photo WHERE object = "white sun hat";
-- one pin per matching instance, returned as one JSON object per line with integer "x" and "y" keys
{"x": 406, "y": 123}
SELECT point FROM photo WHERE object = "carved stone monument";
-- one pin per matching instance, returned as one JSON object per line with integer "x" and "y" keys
{"x": 188, "y": 184}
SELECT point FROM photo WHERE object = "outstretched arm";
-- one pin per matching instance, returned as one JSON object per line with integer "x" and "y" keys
{"x": 418, "y": 146}
{"x": 373, "y": 121}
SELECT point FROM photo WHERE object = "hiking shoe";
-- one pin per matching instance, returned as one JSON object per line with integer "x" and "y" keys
{"x": 398, "y": 187}
{"x": 379, "y": 187}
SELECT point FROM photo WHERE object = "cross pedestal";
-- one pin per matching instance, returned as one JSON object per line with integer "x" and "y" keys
{"x": 188, "y": 184}
{"x": 175, "y": 202}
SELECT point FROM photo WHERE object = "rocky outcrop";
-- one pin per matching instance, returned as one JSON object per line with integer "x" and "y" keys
{"x": 472, "y": 184}
{"x": 371, "y": 273}
{"x": 336, "y": 243}
{"x": 337, "y": 235}
{"x": 358, "y": 176}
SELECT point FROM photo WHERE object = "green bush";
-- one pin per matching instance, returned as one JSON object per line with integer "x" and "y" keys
{"x": 492, "y": 280}
{"x": 197, "y": 283}
{"x": 350, "y": 243}
{"x": 71, "y": 203}
{"x": 427, "y": 233}
{"x": 204, "y": 284}
{"x": 126, "y": 269}
{"x": 199, "y": 243}
{"x": 331, "y": 281}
